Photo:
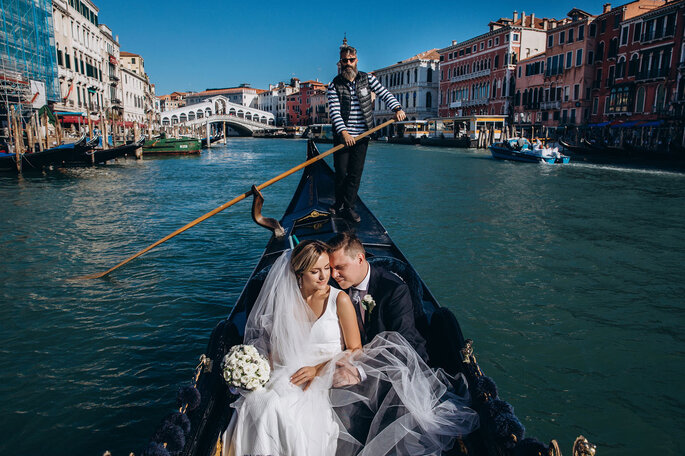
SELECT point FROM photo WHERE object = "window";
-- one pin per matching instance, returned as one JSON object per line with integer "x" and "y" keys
{"x": 576, "y": 91}
{"x": 570, "y": 35}
{"x": 59, "y": 58}
{"x": 640, "y": 100}
{"x": 475, "y": 48}
{"x": 569, "y": 59}
{"x": 617, "y": 21}
{"x": 566, "y": 93}
{"x": 595, "y": 105}
{"x": 581, "y": 33}
{"x": 550, "y": 40}
{"x": 600, "y": 51}
{"x": 516, "y": 37}
{"x": 624, "y": 35}
{"x": 633, "y": 65}
{"x": 660, "y": 97}
{"x": 573, "y": 116}
{"x": 496, "y": 40}
{"x": 636, "y": 32}
{"x": 497, "y": 61}
{"x": 579, "y": 57}
{"x": 593, "y": 31}
{"x": 590, "y": 57}
{"x": 490, "y": 43}
{"x": 562, "y": 37}
{"x": 603, "y": 26}
{"x": 482, "y": 45}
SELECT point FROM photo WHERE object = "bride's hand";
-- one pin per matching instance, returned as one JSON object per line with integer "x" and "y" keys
{"x": 304, "y": 376}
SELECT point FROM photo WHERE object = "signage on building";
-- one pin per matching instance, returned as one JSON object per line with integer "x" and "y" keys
{"x": 112, "y": 60}
{"x": 38, "y": 94}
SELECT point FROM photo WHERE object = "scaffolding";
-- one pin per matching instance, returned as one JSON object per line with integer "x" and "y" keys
{"x": 27, "y": 58}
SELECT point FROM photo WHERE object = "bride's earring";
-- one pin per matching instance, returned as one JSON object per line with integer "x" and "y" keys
{"x": 299, "y": 281}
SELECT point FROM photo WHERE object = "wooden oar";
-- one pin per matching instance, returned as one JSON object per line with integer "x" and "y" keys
{"x": 235, "y": 200}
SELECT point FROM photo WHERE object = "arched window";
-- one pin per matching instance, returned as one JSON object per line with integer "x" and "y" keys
{"x": 621, "y": 67}
{"x": 633, "y": 65}
{"x": 414, "y": 98}
{"x": 640, "y": 100}
{"x": 429, "y": 76}
{"x": 496, "y": 61}
{"x": 517, "y": 98}
{"x": 600, "y": 51}
{"x": 429, "y": 99}
{"x": 660, "y": 98}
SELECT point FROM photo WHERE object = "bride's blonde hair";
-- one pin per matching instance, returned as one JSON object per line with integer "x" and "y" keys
{"x": 305, "y": 256}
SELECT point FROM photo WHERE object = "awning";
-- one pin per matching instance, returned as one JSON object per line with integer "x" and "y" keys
{"x": 630, "y": 123}
{"x": 73, "y": 119}
{"x": 601, "y": 124}
{"x": 68, "y": 113}
{"x": 652, "y": 123}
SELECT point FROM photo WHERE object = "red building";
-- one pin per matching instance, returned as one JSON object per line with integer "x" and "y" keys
{"x": 477, "y": 75}
{"x": 299, "y": 105}
{"x": 631, "y": 52}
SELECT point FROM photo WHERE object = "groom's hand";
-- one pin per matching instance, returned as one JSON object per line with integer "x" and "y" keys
{"x": 345, "y": 375}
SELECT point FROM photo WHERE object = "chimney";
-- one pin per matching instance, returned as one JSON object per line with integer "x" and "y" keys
{"x": 516, "y": 16}
{"x": 454, "y": 42}
{"x": 544, "y": 24}
{"x": 607, "y": 8}
{"x": 532, "y": 20}
{"x": 523, "y": 18}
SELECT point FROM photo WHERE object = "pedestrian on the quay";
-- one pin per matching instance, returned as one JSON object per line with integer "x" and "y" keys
{"x": 351, "y": 111}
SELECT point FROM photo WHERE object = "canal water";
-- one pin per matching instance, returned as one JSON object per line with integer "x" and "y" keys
{"x": 568, "y": 278}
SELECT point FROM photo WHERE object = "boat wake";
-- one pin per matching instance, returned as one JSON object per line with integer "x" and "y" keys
{"x": 628, "y": 169}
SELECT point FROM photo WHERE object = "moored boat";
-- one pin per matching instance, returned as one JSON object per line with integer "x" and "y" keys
{"x": 205, "y": 406}
{"x": 53, "y": 157}
{"x": 172, "y": 146}
{"x": 212, "y": 140}
{"x": 97, "y": 156}
{"x": 520, "y": 149}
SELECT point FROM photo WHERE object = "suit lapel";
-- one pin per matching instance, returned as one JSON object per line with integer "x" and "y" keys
{"x": 371, "y": 317}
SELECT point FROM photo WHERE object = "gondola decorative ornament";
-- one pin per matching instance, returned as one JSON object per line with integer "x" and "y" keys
{"x": 266, "y": 222}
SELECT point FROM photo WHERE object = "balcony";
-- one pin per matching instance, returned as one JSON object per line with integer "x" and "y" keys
{"x": 653, "y": 35}
{"x": 116, "y": 101}
{"x": 475, "y": 74}
{"x": 475, "y": 102}
{"x": 546, "y": 105}
{"x": 654, "y": 73}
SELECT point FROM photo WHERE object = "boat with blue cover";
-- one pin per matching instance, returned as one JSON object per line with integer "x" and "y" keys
{"x": 520, "y": 149}
{"x": 203, "y": 408}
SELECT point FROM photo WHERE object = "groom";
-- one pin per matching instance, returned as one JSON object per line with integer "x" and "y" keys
{"x": 393, "y": 309}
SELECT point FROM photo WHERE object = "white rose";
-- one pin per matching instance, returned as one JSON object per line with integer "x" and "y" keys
{"x": 250, "y": 369}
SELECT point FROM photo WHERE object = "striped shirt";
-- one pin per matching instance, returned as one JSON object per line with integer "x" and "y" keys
{"x": 356, "y": 124}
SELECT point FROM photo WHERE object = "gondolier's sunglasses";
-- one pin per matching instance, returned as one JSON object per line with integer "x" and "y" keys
{"x": 350, "y": 60}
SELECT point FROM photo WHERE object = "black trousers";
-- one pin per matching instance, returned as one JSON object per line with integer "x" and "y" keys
{"x": 349, "y": 165}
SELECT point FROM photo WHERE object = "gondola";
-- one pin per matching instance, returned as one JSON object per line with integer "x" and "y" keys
{"x": 96, "y": 156}
{"x": 212, "y": 140}
{"x": 204, "y": 412}
{"x": 53, "y": 157}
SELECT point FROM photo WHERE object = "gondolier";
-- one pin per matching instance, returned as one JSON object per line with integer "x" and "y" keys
{"x": 351, "y": 111}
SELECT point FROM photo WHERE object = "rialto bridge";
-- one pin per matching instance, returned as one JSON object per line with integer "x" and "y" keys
{"x": 218, "y": 110}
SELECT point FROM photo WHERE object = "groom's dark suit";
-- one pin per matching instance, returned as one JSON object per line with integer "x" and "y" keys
{"x": 394, "y": 310}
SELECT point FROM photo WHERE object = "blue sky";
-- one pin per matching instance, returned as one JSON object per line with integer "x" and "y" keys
{"x": 194, "y": 46}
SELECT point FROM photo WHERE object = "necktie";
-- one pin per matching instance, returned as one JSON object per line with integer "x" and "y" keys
{"x": 357, "y": 300}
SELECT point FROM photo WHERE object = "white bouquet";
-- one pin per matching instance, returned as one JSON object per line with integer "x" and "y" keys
{"x": 244, "y": 367}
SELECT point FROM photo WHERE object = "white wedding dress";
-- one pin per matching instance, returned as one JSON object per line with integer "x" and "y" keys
{"x": 406, "y": 408}
{"x": 283, "y": 419}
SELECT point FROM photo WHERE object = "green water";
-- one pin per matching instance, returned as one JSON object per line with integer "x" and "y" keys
{"x": 568, "y": 278}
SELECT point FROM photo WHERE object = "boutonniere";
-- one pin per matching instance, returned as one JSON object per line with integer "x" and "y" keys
{"x": 368, "y": 303}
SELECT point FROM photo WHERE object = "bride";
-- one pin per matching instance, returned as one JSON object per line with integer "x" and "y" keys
{"x": 308, "y": 329}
